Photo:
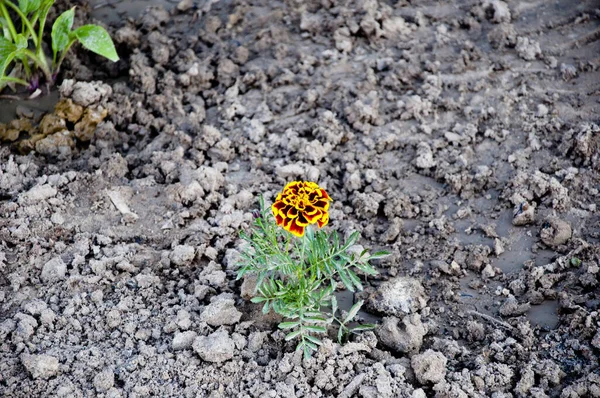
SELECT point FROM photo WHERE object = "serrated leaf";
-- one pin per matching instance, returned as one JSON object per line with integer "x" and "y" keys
{"x": 311, "y": 345}
{"x": 319, "y": 319}
{"x": 258, "y": 299}
{"x": 313, "y": 340}
{"x": 334, "y": 305}
{"x": 352, "y": 239}
{"x": 61, "y": 29}
{"x": 366, "y": 326}
{"x": 367, "y": 268}
{"x": 346, "y": 280}
{"x": 293, "y": 334}
{"x": 288, "y": 325}
{"x": 355, "y": 279}
{"x": 379, "y": 254}
{"x": 353, "y": 311}
{"x": 315, "y": 328}
{"x": 313, "y": 314}
{"x": 307, "y": 352}
{"x": 340, "y": 334}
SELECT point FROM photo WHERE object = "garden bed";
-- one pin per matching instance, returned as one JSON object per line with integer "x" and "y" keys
{"x": 462, "y": 137}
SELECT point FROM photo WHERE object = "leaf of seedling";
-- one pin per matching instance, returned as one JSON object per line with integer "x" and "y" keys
{"x": 288, "y": 325}
{"x": 353, "y": 311}
{"x": 4, "y": 27}
{"x": 96, "y": 39}
{"x": 21, "y": 42}
{"x": 61, "y": 29}
{"x": 27, "y": 6}
{"x": 44, "y": 9}
{"x": 295, "y": 333}
{"x": 7, "y": 53}
{"x": 265, "y": 308}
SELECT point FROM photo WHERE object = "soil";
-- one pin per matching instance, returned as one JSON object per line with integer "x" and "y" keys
{"x": 462, "y": 136}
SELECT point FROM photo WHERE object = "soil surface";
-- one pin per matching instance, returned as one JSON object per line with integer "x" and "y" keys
{"x": 462, "y": 136}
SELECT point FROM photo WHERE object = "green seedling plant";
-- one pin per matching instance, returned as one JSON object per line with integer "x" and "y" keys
{"x": 296, "y": 277}
{"x": 22, "y": 44}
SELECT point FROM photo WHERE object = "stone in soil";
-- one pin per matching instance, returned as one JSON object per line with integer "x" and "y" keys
{"x": 399, "y": 296}
{"x": 216, "y": 347}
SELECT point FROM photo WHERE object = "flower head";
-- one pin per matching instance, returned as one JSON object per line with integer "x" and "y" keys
{"x": 301, "y": 203}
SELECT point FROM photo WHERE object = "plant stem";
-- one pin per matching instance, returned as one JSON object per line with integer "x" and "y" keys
{"x": 13, "y": 80}
{"x": 25, "y": 21}
{"x": 26, "y": 67}
{"x": 11, "y": 26}
{"x": 41, "y": 63}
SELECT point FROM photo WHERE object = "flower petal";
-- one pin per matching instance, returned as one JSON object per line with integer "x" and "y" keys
{"x": 296, "y": 229}
{"x": 323, "y": 221}
{"x": 292, "y": 212}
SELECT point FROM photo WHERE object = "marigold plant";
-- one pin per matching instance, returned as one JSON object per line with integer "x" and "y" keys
{"x": 297, "y": 267}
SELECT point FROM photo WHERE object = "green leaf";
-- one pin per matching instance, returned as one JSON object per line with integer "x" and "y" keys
{"x": 44, "y": 9}
{"x": 311, "y": 345}
{"x": 314, "y": 340}
{"x": 288, "y": 325}
{"x": 367, "y": 268}
{"x": 21, "y": 42}
{"x": 355, "y": 279}
{"x": 334, "y": 305}
{"x": 61, "y": 29}
{"x": 366, "y": 326}
{"x": 290, "y": 336}
{"x": 352, "y": 239}
{"x": 340, "y": 334}
{"x": 314, "y": 328}
{"x": 27, "y": 6}
{"x": 346, "y": 280}
{"x": 4, "y": 26}
{"x": 379, "y": 254}
{"x": 96, "y": 38}
{"x": 7, "y": 54}
{"x": 6, "y": 47}
{"x": 353, "y": 311}
{"x": 258, "y": 299}
{"x": 307, "y": 351}
{"x": 265, "y": 308}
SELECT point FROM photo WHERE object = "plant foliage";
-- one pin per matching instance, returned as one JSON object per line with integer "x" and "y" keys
{"x": 297, "y": 277}
{"x": 21, "y": 44}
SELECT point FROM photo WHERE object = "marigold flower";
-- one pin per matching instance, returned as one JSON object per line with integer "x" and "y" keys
{"x": 301, "y": 203}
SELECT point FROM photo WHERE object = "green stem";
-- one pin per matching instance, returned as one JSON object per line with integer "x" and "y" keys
{"x": 26, "y": 67}
{"x": 41, "y": 63}
{"x": 11, "y": 26}
{"x": 25, "y": 21}
{"x": 14, "y": 80}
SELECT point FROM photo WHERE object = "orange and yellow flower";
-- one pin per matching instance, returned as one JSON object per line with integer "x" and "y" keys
{"x": 301, "y": 203}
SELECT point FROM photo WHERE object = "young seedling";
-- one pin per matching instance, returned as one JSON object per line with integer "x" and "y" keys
{"x": 297, "y": 267}
{"x": 21, "y": 44}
